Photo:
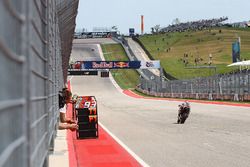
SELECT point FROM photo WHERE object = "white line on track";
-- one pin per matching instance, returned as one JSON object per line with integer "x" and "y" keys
{"x": 69, "y": 79}
{"x": 138, "y": 159}
{"x": 110, "y": 76}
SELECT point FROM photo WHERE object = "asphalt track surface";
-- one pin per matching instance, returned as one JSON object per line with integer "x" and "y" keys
{"x": 213, "y": 135}
{"x": 140, "y": 54}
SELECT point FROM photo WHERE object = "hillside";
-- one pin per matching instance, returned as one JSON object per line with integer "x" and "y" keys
{"x": 198, "y": 45}
{"x": 126, "y": 78}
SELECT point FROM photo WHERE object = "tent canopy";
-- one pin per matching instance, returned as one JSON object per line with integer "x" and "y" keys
{"x": 241, "y": 63}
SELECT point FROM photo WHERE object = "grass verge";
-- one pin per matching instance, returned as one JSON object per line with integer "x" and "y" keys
{"x": 125, "y": 78}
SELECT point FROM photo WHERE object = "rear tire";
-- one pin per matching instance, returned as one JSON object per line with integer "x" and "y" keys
{"x": 178, "y": 120}
{"x": 183, "y": 120}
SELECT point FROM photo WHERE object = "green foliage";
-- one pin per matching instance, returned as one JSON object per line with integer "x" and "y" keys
{"x": 171, "y": 47}
{"x": 126, "y": 79}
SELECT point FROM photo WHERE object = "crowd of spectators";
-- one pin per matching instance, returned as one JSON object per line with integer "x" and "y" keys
{"x": 194, "y": 25}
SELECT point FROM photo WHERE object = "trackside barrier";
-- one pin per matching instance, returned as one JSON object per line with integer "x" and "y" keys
{"x": 233, "y": 87}
{"x": 31, "y": 76}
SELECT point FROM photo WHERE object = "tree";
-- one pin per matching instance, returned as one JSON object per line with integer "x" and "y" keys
{"x": 157, "y": 28}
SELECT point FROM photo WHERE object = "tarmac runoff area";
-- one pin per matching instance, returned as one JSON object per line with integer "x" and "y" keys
{"x": 213, "y": 135}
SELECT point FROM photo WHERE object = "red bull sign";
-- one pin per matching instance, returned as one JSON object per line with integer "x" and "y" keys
{"x": 121, "y": 64}
{"x": 83, "y": 65}
{"x": 91, "y": 65}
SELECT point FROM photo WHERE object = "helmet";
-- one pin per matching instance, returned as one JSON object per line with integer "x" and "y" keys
{"x": 185, "y": 104}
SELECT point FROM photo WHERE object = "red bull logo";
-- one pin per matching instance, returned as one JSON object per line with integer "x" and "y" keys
{"x": 121, "y": 64}
{"x": 102, "y": 65}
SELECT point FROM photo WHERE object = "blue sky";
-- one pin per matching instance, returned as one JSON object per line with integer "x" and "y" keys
{"x": 126, "y": 14}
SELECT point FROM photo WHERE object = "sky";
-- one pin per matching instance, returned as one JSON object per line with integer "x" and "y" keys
{"x": 126, "y": 14}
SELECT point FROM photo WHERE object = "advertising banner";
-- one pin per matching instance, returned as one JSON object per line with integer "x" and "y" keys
{"x": 106, "y": 65}
{"x": 94, "y": 65}
{"x": 150, "y": 64}
{"x": 131, "y": 32}
{"x": 236, "y": 52}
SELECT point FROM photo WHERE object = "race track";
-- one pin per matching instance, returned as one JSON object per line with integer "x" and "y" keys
{"x": 213, "y": 135}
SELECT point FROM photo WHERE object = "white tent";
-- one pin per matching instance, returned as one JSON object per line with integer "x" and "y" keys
{"x": 241, "y": 63}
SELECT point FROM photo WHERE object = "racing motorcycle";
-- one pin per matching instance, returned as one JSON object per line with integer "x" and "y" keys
{"x": 183, "y": 112}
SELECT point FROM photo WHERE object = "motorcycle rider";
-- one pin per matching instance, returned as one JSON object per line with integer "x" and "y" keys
{"x": 184, "y": 108}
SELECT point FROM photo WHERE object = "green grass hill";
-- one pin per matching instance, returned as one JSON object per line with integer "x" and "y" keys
{"x": 197, "y": 45}
{"x": 126, "y": 78}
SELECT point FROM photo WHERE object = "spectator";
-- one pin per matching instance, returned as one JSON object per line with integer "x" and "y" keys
{"x": 194, "y": 25}
{"x": 65, "y": 123}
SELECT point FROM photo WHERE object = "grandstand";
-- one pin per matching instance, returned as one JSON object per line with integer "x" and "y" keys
{"x": 194, "y": 25}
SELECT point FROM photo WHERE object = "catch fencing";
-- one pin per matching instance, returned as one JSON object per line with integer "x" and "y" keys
{"x": 30, "y": 77}
{"x": 233, "y": 87}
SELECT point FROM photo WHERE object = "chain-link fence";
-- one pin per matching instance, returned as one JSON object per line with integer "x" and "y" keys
{"x": 234, "y": 86}
{"x": 31, "y": 76}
